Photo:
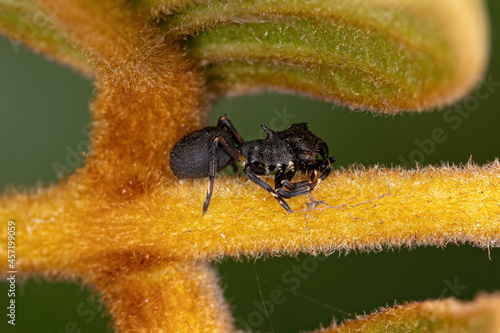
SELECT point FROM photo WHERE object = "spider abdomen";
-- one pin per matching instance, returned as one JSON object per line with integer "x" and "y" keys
{"x": 190, "y": 155}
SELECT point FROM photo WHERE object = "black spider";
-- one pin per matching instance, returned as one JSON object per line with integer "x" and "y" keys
{"x": 205, "y": 152}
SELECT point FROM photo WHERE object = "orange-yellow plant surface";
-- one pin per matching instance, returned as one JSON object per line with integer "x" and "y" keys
{"x": 125, "y": 225}
{"x": 362, "y": 209}
{"x": 481, "y": 315}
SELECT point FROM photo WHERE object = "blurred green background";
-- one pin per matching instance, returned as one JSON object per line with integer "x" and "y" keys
{"x": 44, "y": 116}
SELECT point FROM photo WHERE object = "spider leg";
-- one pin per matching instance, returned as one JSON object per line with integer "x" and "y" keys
{"x": 234, "y": 165}
{"x": 224, "y": 122}
{"x": 324, "y": 168}
{"x": 283, "y": 178}
{"x": 235, "y": 155}
{"x": 258, "y": 169}
{"x": 266, "y": 187}
{"x": 292, "y": 186}
{"x": 284, "y": 175}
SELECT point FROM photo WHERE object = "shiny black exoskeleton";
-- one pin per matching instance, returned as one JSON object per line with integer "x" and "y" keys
{"x": 205, "y": 152}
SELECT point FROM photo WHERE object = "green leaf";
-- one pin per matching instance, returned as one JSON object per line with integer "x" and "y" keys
{"x": 384, "y": 56}
{"x": 23, "y": 21}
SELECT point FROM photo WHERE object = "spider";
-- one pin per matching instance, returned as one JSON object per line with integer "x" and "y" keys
{"x": 206, "y": 151}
